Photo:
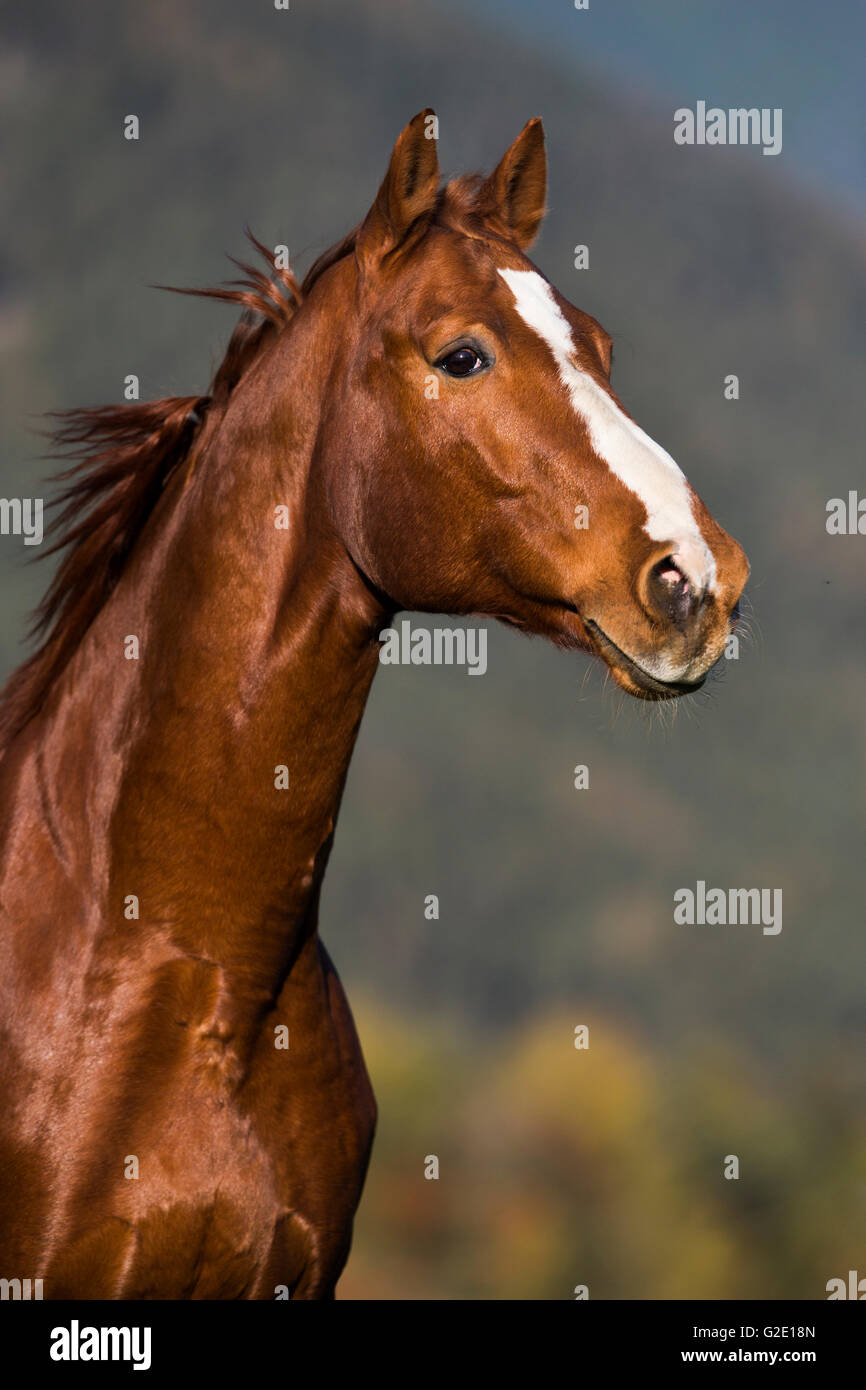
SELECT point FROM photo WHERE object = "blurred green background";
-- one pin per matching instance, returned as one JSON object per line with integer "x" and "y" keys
{"x": 558, "y": 1167}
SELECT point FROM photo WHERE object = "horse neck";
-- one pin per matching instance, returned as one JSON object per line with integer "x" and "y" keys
{"x": 257, "y": 648}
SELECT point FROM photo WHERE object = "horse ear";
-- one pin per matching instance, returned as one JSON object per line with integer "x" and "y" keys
{"x": 515, "y": 192}
{"x": 408, "y": 193}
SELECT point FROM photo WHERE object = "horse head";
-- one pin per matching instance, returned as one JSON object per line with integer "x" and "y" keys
{"x": 484, "y": 462}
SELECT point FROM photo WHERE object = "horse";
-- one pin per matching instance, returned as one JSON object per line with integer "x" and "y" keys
{"x": 426, "y": 424}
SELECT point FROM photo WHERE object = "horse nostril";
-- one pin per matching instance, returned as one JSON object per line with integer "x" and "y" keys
{"x": 672, "y": 593}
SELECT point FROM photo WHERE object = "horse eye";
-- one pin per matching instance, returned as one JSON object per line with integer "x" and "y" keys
{"x": 463, "y": 361}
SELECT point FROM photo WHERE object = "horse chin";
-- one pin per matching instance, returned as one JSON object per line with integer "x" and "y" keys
{"x": 631, "y": 676}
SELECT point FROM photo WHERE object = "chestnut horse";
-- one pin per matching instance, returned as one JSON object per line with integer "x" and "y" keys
{"x": 424, "y": 424}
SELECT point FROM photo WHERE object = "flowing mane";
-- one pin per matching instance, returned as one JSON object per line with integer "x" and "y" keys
{"x": 123, "y": 456}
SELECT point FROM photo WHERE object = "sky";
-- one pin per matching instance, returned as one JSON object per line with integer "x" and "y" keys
{"x": 802, "y": 56}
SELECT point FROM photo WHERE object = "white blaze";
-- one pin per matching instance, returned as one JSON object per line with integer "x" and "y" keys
{"x": 644, "y": 466}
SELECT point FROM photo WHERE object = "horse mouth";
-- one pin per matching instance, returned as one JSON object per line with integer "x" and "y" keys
{"x": 648, "y": 686}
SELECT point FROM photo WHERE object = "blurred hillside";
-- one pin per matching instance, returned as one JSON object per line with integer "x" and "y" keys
{"x": 556, "y": 905}
{"x": 602, "y": 1167}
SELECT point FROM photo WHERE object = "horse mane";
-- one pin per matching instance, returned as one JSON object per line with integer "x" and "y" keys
{"x": 123, "y": 456}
